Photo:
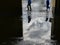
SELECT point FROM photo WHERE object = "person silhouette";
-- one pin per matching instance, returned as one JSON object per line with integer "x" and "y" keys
{"x": 47, "y": 9}
{"x": 47, "y": 5}
{"x": 29, "y": 16}
{"x": 29, "y": 5}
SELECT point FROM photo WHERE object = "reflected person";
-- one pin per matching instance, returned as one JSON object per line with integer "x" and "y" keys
{"x": 47, "y": 5}
{"x": 47, "y": 9}
{"x": 29, "y": 16}
{"x": 29, "y": 5}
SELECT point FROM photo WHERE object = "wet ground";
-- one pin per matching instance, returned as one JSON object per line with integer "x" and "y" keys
{"x": 38, "y": 30}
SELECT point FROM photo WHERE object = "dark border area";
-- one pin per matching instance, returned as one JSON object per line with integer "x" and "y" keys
{"x": 10, "y": 19}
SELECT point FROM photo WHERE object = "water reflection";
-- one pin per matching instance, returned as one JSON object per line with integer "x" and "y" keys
{"x": 47, "y": 15}
{"x": 29, "y": 16}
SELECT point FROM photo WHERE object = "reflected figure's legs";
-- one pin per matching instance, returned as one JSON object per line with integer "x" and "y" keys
{"x": 47, "y": 14}
{"x": 29, "y": 7}
{"x": 29, "y": 16}
{"x": 29, "y": 19}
